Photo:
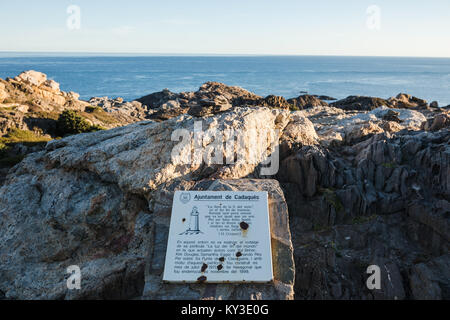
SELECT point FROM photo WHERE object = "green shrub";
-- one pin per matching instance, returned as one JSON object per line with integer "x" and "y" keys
{"x": 96, "y": 127}
{"x": 92, "y": 109}
{"x": 70, "y": 122}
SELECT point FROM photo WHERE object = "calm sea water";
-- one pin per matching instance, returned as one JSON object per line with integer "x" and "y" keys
{"x": 131, "y": 77}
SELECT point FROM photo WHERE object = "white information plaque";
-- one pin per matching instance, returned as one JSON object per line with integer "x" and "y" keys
{"x": 219, "y": 237}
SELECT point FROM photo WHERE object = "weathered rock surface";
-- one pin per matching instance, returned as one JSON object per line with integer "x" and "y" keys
{"x": 32, "y": 77}
{"x": 359, "y": 103}
{"x": 326, "y": 98}
{"x": 211, "y": 98}
{"x": 438, "y": 121}
{"x": 123, "y": 112}
{"x": 335, "y": 126}
{"x": 366, "y": 181}
{"x": 306, "y": 101}
{"x": 382, "y": 201}
{"x": 91, "y": 200}
{"x": 31, "y": 101}
{"x": 403, "y": 100}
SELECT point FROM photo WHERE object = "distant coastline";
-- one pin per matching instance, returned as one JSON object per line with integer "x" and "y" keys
{"x": 198, "y": 54}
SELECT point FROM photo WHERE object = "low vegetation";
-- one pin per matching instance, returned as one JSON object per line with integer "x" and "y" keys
{"x": 22, "y": 136}
{"x": 97, "y": 113}
{"x": 70, "y": 122}
{"x": 8, "y": 155}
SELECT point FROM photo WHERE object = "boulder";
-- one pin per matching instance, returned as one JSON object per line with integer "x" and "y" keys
{"x": 336, "y": 126}
{"x": 434, "y": 104}
{"x": 438, "y": 122}
{"x": 306, "y": 101}
{"x": 392, "y": 115}
{"x": 359, "y": 103}
{"x": 206, "y": 107}
{"x": 125, "y": 112}
{"x": 235, "y": 95}
{"x": 403, "y": 100}
{"x": 298, "y": 133}
{"x": 211, "y": 98}
{"x": 53, "y": 85}
{"x": 275, "y": 102}
{"x": 32, "y": 77}
{"x": 326, "y": 98}
{"x": 97, "y": 201}
{"x": 157, "y": 99}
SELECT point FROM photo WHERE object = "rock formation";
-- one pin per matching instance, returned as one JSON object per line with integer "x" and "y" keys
{"x": 306, "y": 102}
{"x": 362, "y": 181}
{"x": 31, "y": 101}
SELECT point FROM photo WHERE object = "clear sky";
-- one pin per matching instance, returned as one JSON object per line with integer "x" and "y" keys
{"x": 290, "y": 27}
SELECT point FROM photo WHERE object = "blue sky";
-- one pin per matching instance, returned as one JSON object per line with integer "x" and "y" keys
{"x": 291, "y": 27}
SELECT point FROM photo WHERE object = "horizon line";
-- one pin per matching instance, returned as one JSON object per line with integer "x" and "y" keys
{"x": 162, "y": 54}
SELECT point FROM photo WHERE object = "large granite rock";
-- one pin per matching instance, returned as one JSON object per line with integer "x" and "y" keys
{"x": 282, "y": 250}
{"x": 94, "y": 200}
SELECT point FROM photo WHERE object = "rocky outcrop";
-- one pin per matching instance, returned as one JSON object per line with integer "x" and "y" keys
{"x": 122, "y": 111}
{"x": 307, "y": 101}
{"x": 211, "y": 98}
{"x": 359, "y": 103}
{"x": 30, "y": 105}
{"x": 366, "y": 182}
{"x": 438, "y": 121}
{"x": 34, "y": 88}
{"x": 382, "y": 201}
{"x": 326, "y": 98}
{"x": 298, "y": 133}
{"x": 93, "y": 200}
{"x": 31, "y": 101}
{"x": 33, "y": 77}
{"x": 337, "y": 127}
{"x": 403, "y": 100}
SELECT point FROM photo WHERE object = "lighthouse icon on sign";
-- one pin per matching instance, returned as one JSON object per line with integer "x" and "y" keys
{"x": 194, "y": 224}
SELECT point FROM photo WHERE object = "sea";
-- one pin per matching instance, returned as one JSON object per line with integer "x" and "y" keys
{"x": 133, "y": 76}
